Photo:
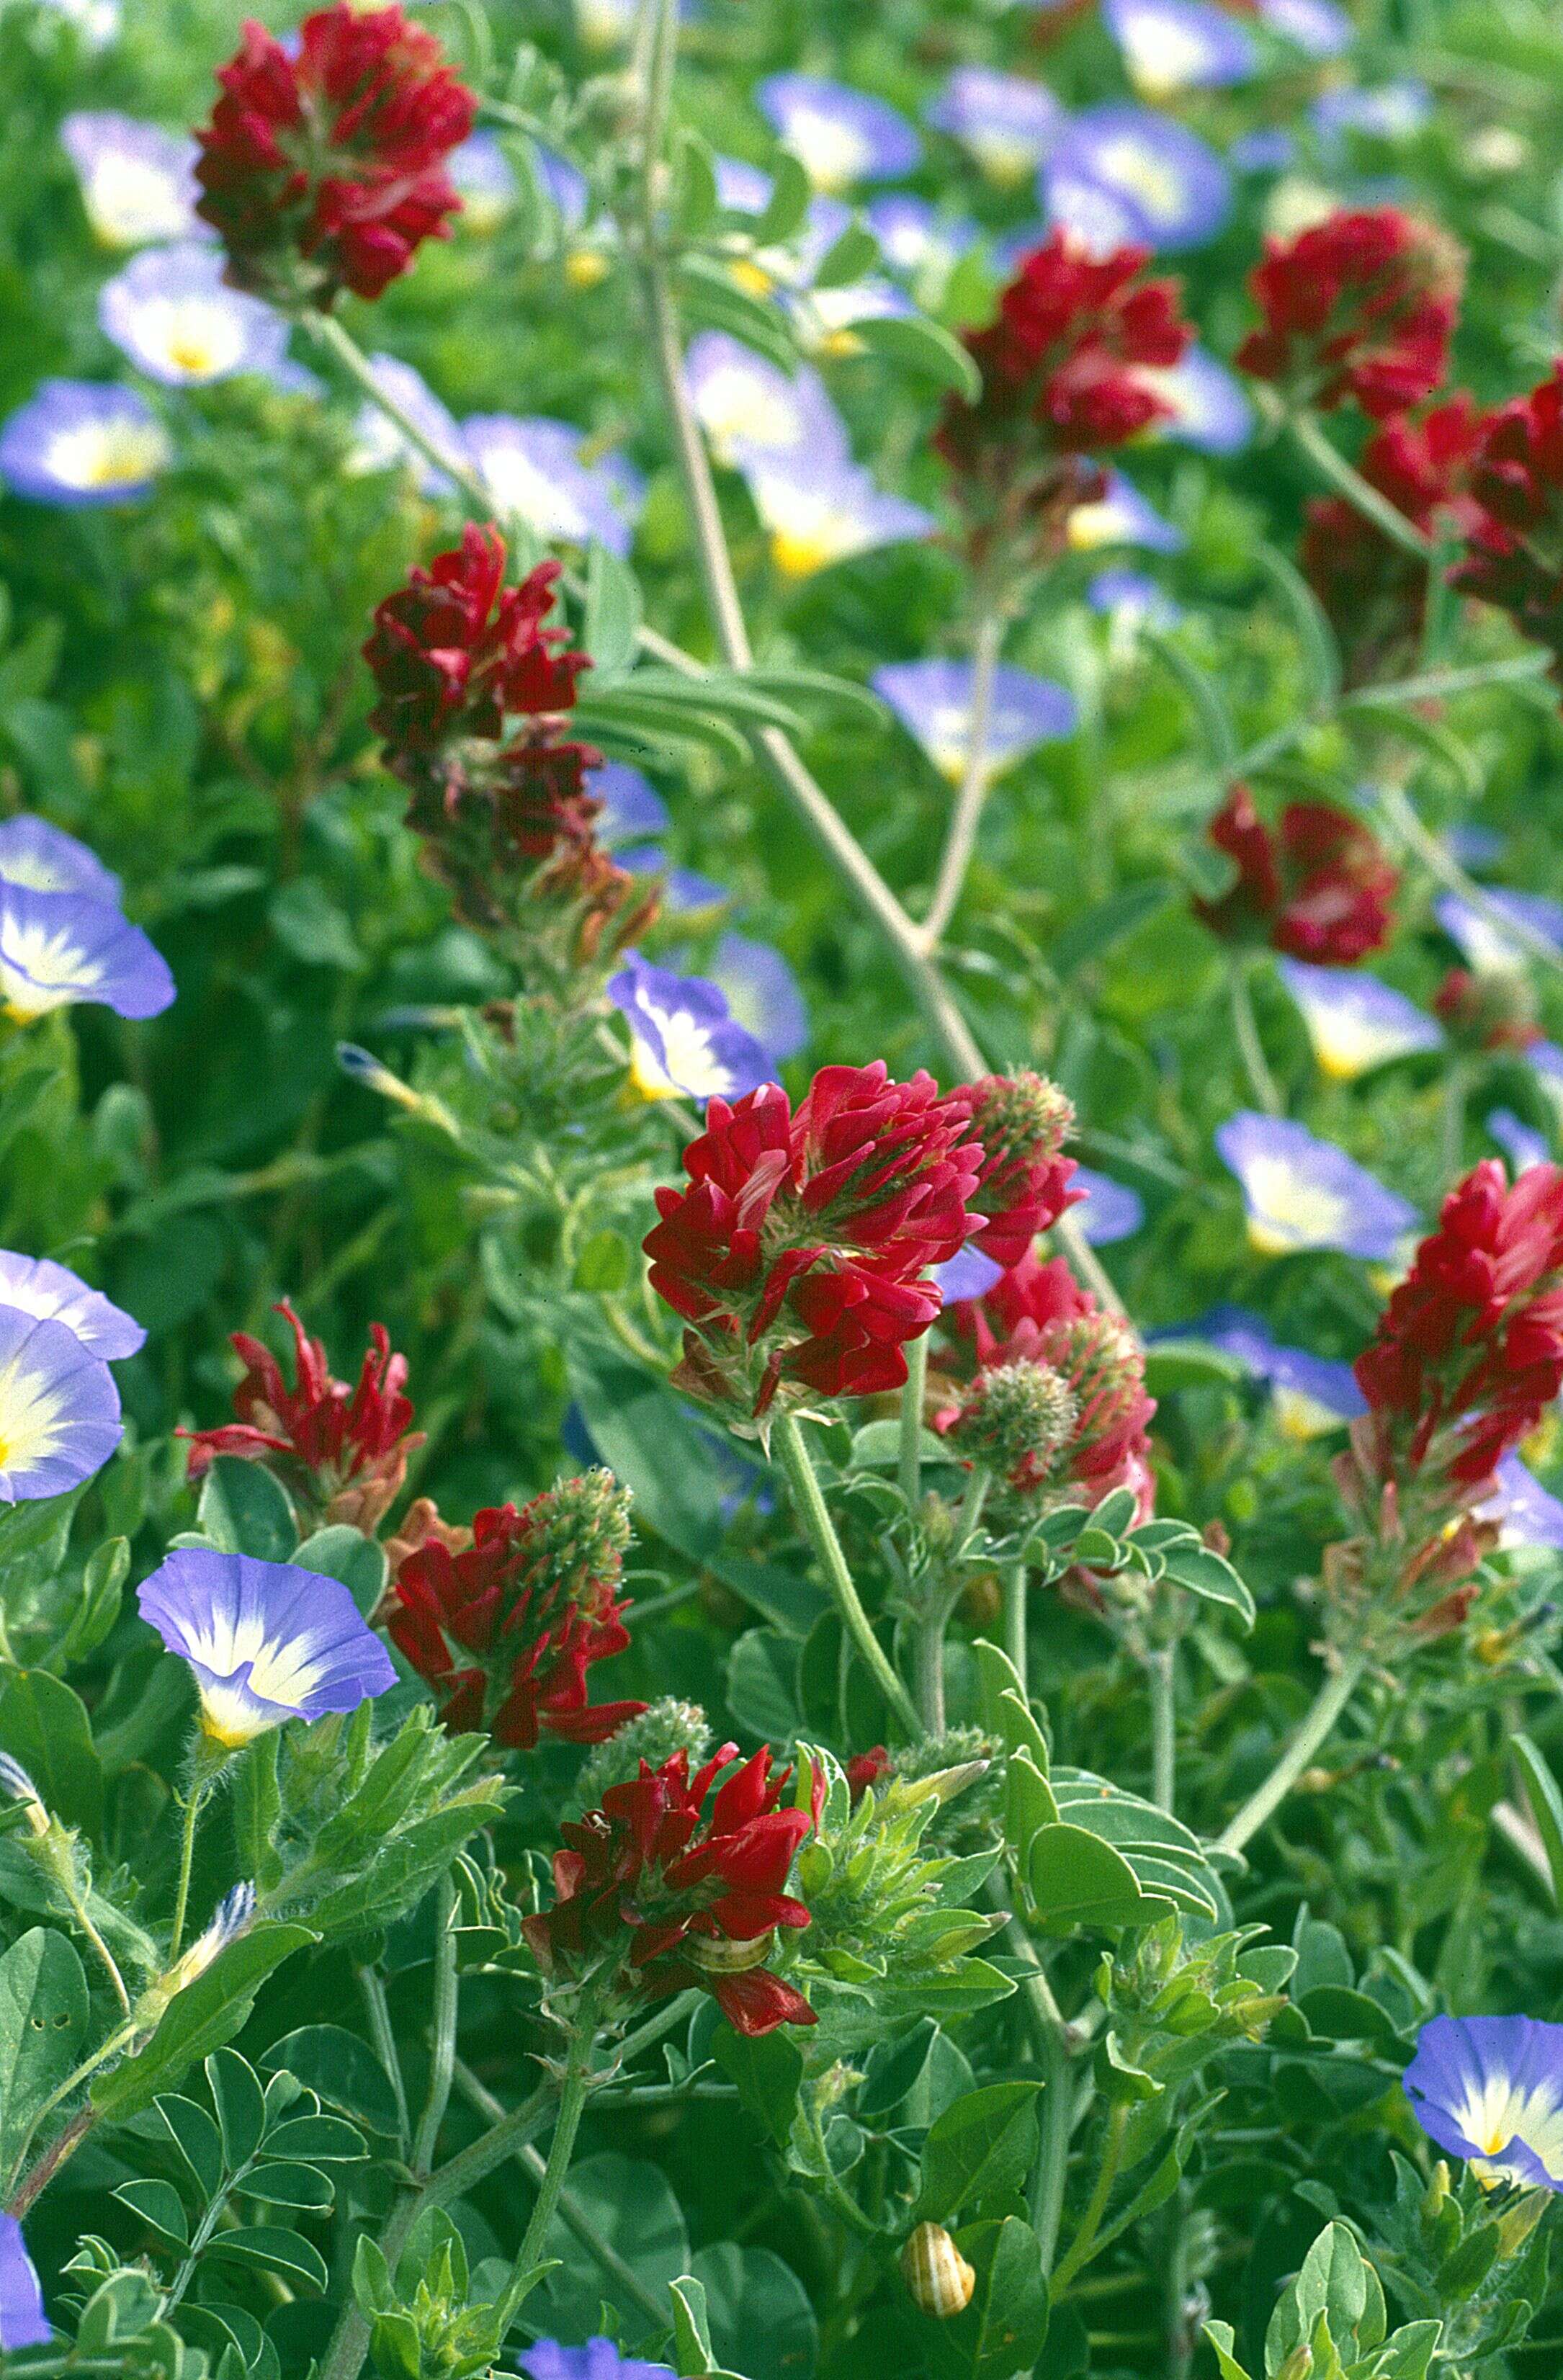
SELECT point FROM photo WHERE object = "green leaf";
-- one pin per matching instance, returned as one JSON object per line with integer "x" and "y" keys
{"x": 1096, "y": 930}
{"x": 203, "y": 2016}
{"x": 711, "y": 297}
{"x": 762, "y": 1684}
{"x": 1004, "y": 2330}
{"x": 604, "y": 1265}
{"x": 611, "y": 628}
{"x": 768, "y": 2071}
{"x": 243, "y": 1511}
{"x": 325, "y": 2138}
{"x": 346, "y": 1555}
{"x": 849, "y": 257}
{"x": 1074, "y": 1878}
{"x": 102, "y": 1584}
{"x": 341, "y": 2068}
{"x": 1310, "y": 624}
{"x": 1176, "y": 1363}
{"x": 44, "y": 2018}
{"x": 1546, "y": 1806}
{"x": 917, "y": 346}
{"x": 1006, "y": 1712}
{"x": 696, "y": 202}
{"x": 790, "y": 191}
{"x": 256, "y": 1806}
{"x": 1205, "y": 697}
{"x": 267, "y": 2248}
{"x": 980, "y": 2149}
{"x": 1223, "y": 2338}
{"x": 692, "y": 2331}
{"x": 760, "y": 2319}
{"x": 158, "y": 2205}
{"x": 1211, "y": 1577}
{"x": 44, "y": 1726}
{"x": 240, "y": 2103}
{"x": 196, "y": 2139}
{"x": 314, "y": 930}
{"x": 290, "y": 2185}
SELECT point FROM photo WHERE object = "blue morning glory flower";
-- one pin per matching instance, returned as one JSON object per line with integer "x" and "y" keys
{"x": 1207, "y": 406}
{"x": 968, "y": 1273}
{"x": 933, "y": 702}
{"x": 1309, "y": 1394}
{"x": 59, "y": 949}
{"x": 684, "y": 1042}
{"x": 80, "y": 441}
{"x": 1526, "y": 1512}
{"x": 1396, "y": 111}
{"x": 917, "y": 239}
{"x": 1317, "y": 27}
{"x": 1130, "y": 599}
{"x": 1480, "y": 936}
{"x": 23, "y": 2322}
{"x": 233, "y": 1916}
{"x": 52, "y": 1292}
{"x": 684, "y": 894}
{"x": 171, "y": 311}
{"x": 598, "y": 2359}
{"x": 379, "y": 445}
{"x": 762, "y": 992}
{"x": 1121, "y": 516}
{"x": 138, "y": 182}
{"x": 1303, "y": 1192}
{"x": 59, "y": 1409}
{"x": 486, "y": 180}
{"x": 1267, "y": 150}
{"x": 43, "y": 856}
{"x": 564, "y": 184}
{"x": 840, "y": 136}
{"x": 1520, "y": 1142}
{"x": 1490, "y": 2089}
{"x": 631, "y": 804}
{"x": 1109, "y": 1211}
{"x": 749, "y": 407}
{"x": 819, "y": 510}
{"x": 742, "y": 188}
{"x": 1545, "y": 1060}
{"x": 267, "y": 1642}
{"x": 1173, "y": 191}
{"x": 533, "y": 469}
{"x": 1006, "y": 123}
{"x": 1174, "y": 45}
{"x": 1354, "y": 1021}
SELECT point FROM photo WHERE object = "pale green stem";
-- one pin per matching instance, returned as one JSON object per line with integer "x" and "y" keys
{"x": 1330, "y": 1703}
{"x": 1016, "y": 1613}
{"x": 1442, "y": 864}
{"x": 371, "y": 1986}
{"x": 1332, "y": 467}
{"x": 194, "y": 1802}
{"x": 913, "y": 1396}
{"x": 1451, "y": 1118}
{"x": 814, "y": 1519}
{"x": 24, "y": 2194}
{"x": 571, "y": 2106}
{"x": 930, "y": 1673}
{"x": 976, "y": 775}
{"x": 1161, "y": 1670}
{"x": 1081, "y": 2246}
{"x": 1261, "y": 1082}
{"x": 443, "y": 2037}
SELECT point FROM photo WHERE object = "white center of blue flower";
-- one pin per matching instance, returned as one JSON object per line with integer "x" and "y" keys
{"x": 833, "y": 154}
{"x": 1148, "y": 178}
{"x": 115, "y": 453}
{"x": 1287, "y": 1210}
{"x": 1163, "y": 56}
{"x": 43, "y": 966}
{"x": 130, "y": 199}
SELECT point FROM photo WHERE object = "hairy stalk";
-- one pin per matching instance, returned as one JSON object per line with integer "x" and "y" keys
{"x": 1443, "y": 865}
{"x": 1082, "y": 2246}
{"x": 975, "y": 777}
{"x": 372, "y": 1987}
{"x": 1330, "y": 1703}
{"x": 1256, "y": 1065}
{"x": 817, "y": 1527}
{"x": 1331, "y": 465}
{"x": 571, "y": 2106}
{"x": 929, "y": 1642}
{"x": 1161, "y": 1670}
{"x": 193, "y": 1802}
{"x": 913, "y": 1396}
{"x": 75, "y": 2132}
{"x": 447, "y": 1996}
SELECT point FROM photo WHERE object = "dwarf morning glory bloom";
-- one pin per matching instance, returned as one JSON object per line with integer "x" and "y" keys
{"x": 533, "y": 469}
{"x": 1006, "y": 123}
{"x": 682, "y": 1039}
{"x": 1490, "y": 2089}
{"x": 79, "y": 442}
{"x": 60, "y": 951}
{"x": 840, "y": 136}
{"x": 824, "y": 319}
{"x": 821, "y": 510}
{"x": 1121, "y": 516}
{"x": 631, "y": 804}
{"x": 684, "y": 895}
{"x": 485, "y": 179}
{"x": 742, "y": 188}
{"x": 1396, "y": 110}
{"x": 45, "y": 857}
{"x": 763, "y": 993}
{"x": 1480, "y": 937}
{"x": 379, "y": 445}
{"x": 598, "y": 2359}
{"x": 23, "y": 2322}
{"x": 1268, "y": 150}
{"x": 968, "y": 1273}
{"x": 138, "y": 182}
{"x": 1317, "y": 27}
{"x": 564, "y": 184}
{"x": 1354, "y": 1021}
{"x": 917, "y": 239}
{"x": 171, "y": 311}
{"x": 748, "y": 406}
{"x": 1310, "y": 1395}
{"x": 267, "y": 1642}
{"x": 1097, "y": 219}
{"x": 1207, "y": 406}
{"x": 59, "y": 1409}
{"x": 233, "y": 1915}
{"x": 1128, "y": 598}
{"x": 933, "y": 701}
{"x": 1111, "y": 1212}
{"x": 1173, "y": 45}
{"x": 1520, "y": 1142}
{"x": 1176, "y": 191}
{"x": 53, "y": 1293}
{"x": 1302, "y": 1193}
{"x": 1527, "y": 1513}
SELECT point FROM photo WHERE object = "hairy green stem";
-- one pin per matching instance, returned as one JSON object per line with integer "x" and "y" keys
{"x": 913, "y": 1396}
{"x": 1016, "y": 1611}
{"x": 447, "y": 1995}
{"x": 976, "y": 775}
{"x": 194, "y": 1799}
{"x": 808, "y": 1504}
{"x": 1081, "y": 2246}
{"x": 1256, "y": 1065}
{"x": 1161, "y": 1670}
{"x": 372, "y": 1987}
{"x": 1330, "y": 1703}
{"x": 1332, "y": 467}
{"x": 571, "y": 2106}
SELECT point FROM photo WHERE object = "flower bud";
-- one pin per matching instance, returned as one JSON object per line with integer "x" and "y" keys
{"x": 1014, "y": 1419}
{"x": 936, "y": 2273}
{"x": 663, "y": 1728}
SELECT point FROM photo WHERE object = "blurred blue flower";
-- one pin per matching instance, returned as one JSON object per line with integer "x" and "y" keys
{"x": 23, "y": 2322}
{"x": 1310, "y": 1395}
{"x": 683, "y": 1042}
{"x": 485, "y": 179}
{"x": 59, "y": 1408}
{"x": 1490, "y": 2089}
{"x": 533, "y": 469}
{"x": 564, "y": 184}
{"x": 1396, "y": 111}
{"x": 52, "y": 1292}
{"x": 59, "y": 950}
{"x": 1207, "y": 406}
{"x": 1109, "y": 1211}
{"x": 171, "y": 311}
{"x": 1526, "y": 1512}
{"x": 379, "y": 445}
{"x": 917, "y": 239}
{"x": 1318, "y": 27}
{"x": 598, "y": 2359}
{"x": 1354, "y": 1021}
{"x": 266, "y": 1642}
{"x": 1302, "y": 1193}
{"x": 1165, "y": 186}
{"x": 46, "y": 859}
{"x": 684, "y": 894}
{"x": 933, "y": 701}
{"x": 138, "y": 182}
{"x": 1520, "y": 1143}
{"x": 1480, "y": 936}
{"x": 841, "y": 135}
{"x": 762, "y": 992}
{"x": 80, "y": 441}
{"x": 968, "y": 1273}
{"x": 1267, "y": 150}
{"x": 631, "y": 804}
{"x": 748, "y": 406}
{"x": 819, "y": 510}
{"x": 1175, "y": 45}
{"x": 1006, "y": 123}
{"x": 1129, "y": 598}
{"x": 1121, "y": 516}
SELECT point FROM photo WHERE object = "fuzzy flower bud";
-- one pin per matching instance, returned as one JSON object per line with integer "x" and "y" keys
{"x": 1022, "y": 1121}
{"x": 663, "y": 1729}
{"x": 1014, "y": 1420}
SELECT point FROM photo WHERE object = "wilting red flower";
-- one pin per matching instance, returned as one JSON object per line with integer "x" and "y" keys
{"x": 1059, "y": 383}
{"x": 654, "y": 1895}
{"x": 799, "y": 1253}
{"x": 325, "y": 170}
{"x": 1514, "y": 549}
{"x": 1372, "y": 591}
{"x": 1494, "y": 1011}
{"x": 1469, "y": 1351}
{"x": 1022, "y": 1122}
{"x": 1363, "y": 305}
{"x": 343, "y": 1451}
{"x": 866, "y": 1768}
{"x": 505, "y": 1628}
{"x": 1319, "y": 888}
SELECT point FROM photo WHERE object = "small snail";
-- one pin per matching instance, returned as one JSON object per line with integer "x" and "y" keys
{"x": 721, "y": 1957}
{"x": 937, "y": 2273}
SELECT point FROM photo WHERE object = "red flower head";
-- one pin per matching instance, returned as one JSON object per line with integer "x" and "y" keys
{"x": 1060, "y": 380}
{"x": 798, "y": 1255}
{"x": 1469, "y": 1351}
{"x": 863, "y": 1770}
{"x": 1022, "y": 1122}
{"x": 654, "y": 1895}
{"x": 324, "y": 171}
{"x": 455, "y": 649}
{"x": 1372, "y": 591}
{"x": 1363, "y": 305}
{"x": 1514, "y": 552}
{"x": 505, "y": 1628}
{"x": 1033, "y": 1291}
{"x": 342, "y": 1452}
{"x": 1320, "y": 890}
{"x": 1492, "y": 1010}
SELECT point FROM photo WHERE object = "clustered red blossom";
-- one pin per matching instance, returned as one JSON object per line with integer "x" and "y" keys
{"x": 474, "y": 696}
{"x": 1514, "y": 544}
{"x": 1363, "y": 305}
{"x": 505, "y": 1620}
{"x": 1372, "y": 591}
{"x": 1318, "y": 888}
{"x": 1022, "y": 1186}
{"x": 655, "y": 1894}
{"x": 1489, "y": 1011}
{"x": 341, "y": 1450}
{"x": 1061, "y": 382}
{"x": 325, "y": 170}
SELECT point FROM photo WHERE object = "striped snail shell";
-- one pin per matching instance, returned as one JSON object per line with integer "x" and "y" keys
{"x": 936, "y": 2273}
{"x": 721, "y": 1957}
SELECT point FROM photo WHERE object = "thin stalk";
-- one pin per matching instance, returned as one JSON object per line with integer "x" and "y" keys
{"x": 447, "y": 1993}
{"x": 571, "y": 2106}
{"x": 1256, "y": 1065}
{"x": 975, "y": 777}
{"x": 817, "y": 1527}
{"x": 1328, "y": 1705}
{"x": 913, "y": 1396}
{"x": 1016, "y": 1602}
{"x": 372, "y": 1987}
{"x": 55, "y": 2154}
{"x": 1051, "y": 2170}
{"x": 194, "y": 1801}
{"x": 1081, "y": 2246}
{"x": 1161, "y": 1670}
{"x": 929, "y": 1641}
{"x": 1451, "y": 1119}
{"x": 1331, "y": 465}
{"x": 78, "y": 1909}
